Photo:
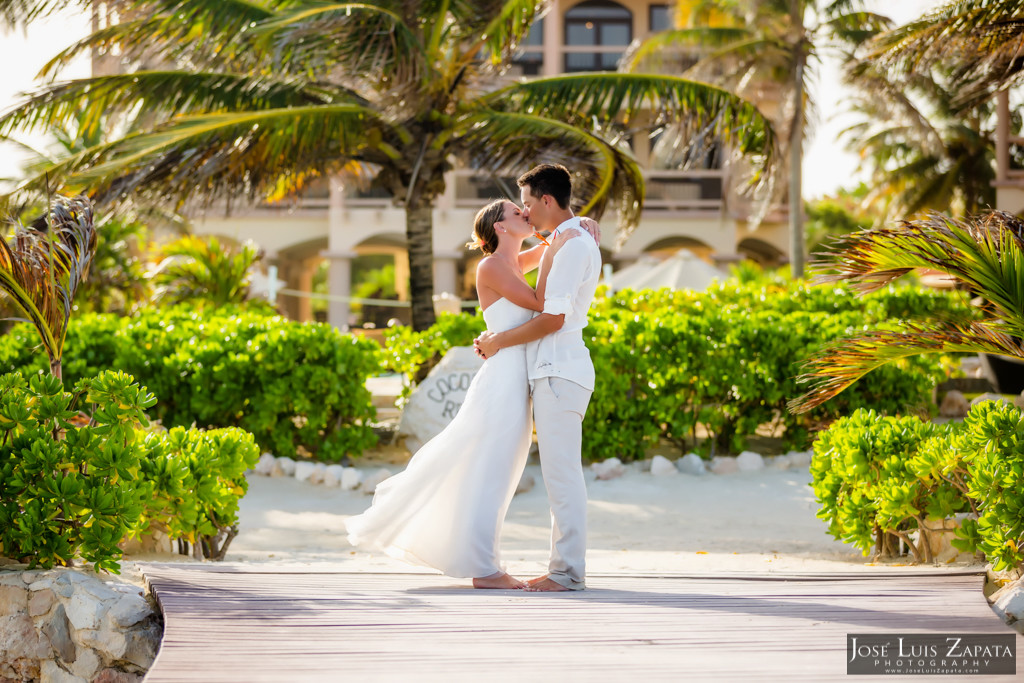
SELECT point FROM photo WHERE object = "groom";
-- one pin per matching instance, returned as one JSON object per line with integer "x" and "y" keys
{"x": 559, "y": 368}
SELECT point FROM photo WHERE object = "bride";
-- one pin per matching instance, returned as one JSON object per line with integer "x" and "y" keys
{"x": 446, "y": 509}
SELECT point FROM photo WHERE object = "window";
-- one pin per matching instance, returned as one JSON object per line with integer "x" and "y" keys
{"x": 596, "y": 34}
{"x": 530, "y": 55}
{"x": 660, "y": 18}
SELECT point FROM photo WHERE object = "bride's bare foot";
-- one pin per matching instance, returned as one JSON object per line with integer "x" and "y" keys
{"x": 501, "y": 581}
{"x": 544, "y": 584}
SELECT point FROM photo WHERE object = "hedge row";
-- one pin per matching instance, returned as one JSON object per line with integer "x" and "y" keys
{"x": 676, "y": 364}
{"x": 290, "y": 384}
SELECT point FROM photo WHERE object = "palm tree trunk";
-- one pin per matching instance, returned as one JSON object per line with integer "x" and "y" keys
{"x": 796, "y": 152}
{"x": 419, "y": 231}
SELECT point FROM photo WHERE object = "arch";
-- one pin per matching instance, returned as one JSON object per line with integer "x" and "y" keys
{"x": 603, "y": 26}
{"x": 666, "y": 246}
{"x": 762, "y": 252}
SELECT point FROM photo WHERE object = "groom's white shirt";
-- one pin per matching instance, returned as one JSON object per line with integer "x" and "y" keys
{"x": 575, "y": 273}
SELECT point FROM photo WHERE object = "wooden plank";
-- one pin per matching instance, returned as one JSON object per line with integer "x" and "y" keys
{"x": 234, "y": 624}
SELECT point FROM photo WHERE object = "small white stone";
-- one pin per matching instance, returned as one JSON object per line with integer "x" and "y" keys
{"x": 988, "y": 397}
{"x": 351, "y": 478}
{"x": 87, "y": 663}
{"x": 954, "y": 404}
{"x": 800, "y": 459}
{"x": 49, "y": 672}
{"x": 84, "y": 611}
{"x": 721, "y": 464}
{"x": 526, "y": 483}
{"x": 333, "y": 474}
{"x": 129, "y": 610}
{"x": 691, "y": 463}
{"x": 110, "y": 644}
{"x": 287, "y": 466}
{"x": 319, "y": 470}
{"x": 780, "y": 462}
{"x": 304, "y": 470}
{"x": 662, "y": 466}
{"x": 612, "y": 468}
{"x": 1011, "y": 602}
{"x": 749, "y": 461}
{"x": 370, "y": 484}
{"x": 265, "y": 465}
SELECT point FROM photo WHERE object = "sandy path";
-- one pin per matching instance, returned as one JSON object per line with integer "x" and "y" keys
{"x": 750, "y": 522}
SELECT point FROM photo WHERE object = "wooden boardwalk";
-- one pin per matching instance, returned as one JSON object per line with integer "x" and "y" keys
{"x": 258, "y": 624}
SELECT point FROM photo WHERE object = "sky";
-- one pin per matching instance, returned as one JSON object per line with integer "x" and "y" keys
{"x": 827, "y": 166}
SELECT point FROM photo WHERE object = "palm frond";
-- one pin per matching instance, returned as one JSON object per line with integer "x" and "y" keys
{"x": 365, "y": 41}
{"x": 844, "y": 362}
{"x": 91, "y": 101}
{"x": 21, "y": 12}
{"x": 510, "y": 25}
{"x": 604, "y": 173}
{"x": 202, "y": 158}
{"x": 40, "y": 271}
{"x": 651, "y": 53}
{"x": 707, "y": 113}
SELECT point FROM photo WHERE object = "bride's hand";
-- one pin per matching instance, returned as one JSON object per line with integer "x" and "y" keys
{"x": 591, "y": 226}
{"x": 562, "y": 238}
{"x": 485, "y": 346}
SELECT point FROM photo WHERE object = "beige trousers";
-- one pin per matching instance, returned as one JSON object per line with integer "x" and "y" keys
{"x": 559, "y": 406}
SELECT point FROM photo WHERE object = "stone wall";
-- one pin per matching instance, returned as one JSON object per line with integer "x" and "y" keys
{"x": 74, "y": 626}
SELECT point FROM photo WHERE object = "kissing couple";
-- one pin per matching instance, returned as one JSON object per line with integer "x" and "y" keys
{"x": 446, "y": 509}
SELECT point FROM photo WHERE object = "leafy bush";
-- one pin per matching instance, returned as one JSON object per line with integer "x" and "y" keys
{"x": 414, "y": 354}
{"x": 74, "y": 496}
{"x": 994, "y": 452}
{"x": 879, "y": 477}
{"x": 198, "y": 479}
{"x": 290, "y": 384}
{"x": 76, "y": 485}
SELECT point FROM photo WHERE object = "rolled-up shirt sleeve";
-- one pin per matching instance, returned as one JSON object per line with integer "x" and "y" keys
{"x": 568, "y": 270}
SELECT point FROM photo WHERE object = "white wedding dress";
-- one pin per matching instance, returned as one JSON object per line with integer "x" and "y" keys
{"x": 446, "y": 509}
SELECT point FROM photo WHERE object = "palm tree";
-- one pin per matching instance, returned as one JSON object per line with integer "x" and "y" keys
{"x": 978, "y": 41}
{"x": 985, "y": 254}
{"x": 923, "y": 151}
{"x": 41, "y": 271}
{"x": 765, "y": 50}
{"x": 259, "y": 96}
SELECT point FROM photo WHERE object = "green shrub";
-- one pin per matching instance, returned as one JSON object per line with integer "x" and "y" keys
{"x": 879, "y": 477}
{"x": 414, "y": 354}
{"x": 76, "y": 496}
{"x": 291, "y": 384}
{"x": 994, "y": 453}
{"x": 198, "y": 478}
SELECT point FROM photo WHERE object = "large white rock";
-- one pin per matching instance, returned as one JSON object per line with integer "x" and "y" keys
{"x": 286, "y": 465}
{"x": 129, "y": 610}
{"x": 304, "y": 470}
{"x": 319, "y": 470}
{"x": 1010, "y": 605}
{"x": 49, "y": 672}
{"x": 351, "y": 478}
{"x": 85, "y": 612}
{"x": 662, "y": 466}
{"x": 722, "y": 464}
{"x": 612, "y": 468}
{"x": 749, "y": 461}
{"x": 691, "y": 463}
{"x": 438, "y": 398}
{"x": 780, "y": 462}
{"x": 988, "y": 397}
{"x": 333, "y": 474}
{"x": 265, "y": 465}
{"x": 369, "y": 484}
{"x": 954, "y": 404}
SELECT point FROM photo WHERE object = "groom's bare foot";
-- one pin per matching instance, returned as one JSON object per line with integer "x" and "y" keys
{"x": 544, "y": 584}
{"x": 500, "y": 581}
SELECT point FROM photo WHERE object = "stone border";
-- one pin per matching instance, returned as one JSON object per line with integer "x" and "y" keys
{"x": 75, "y": 626}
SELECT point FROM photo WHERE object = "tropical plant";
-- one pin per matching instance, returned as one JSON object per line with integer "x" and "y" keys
{"x": 765, "y": 50}
{"x": 838, "y": 214}
{"x": 202, "y": 271}
{"x": 976, "y": 41}
{"x": 922, "y": 149}
{"x": 41, "y": 271}
{"x": 984, "y": 254}
{"x": 258, "y": 97}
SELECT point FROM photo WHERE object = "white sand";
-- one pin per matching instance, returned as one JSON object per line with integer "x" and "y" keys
{"x": 759, "y": 522}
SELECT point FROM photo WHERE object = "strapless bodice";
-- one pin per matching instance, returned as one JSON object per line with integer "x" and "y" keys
{"x": 504, "y": 315}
